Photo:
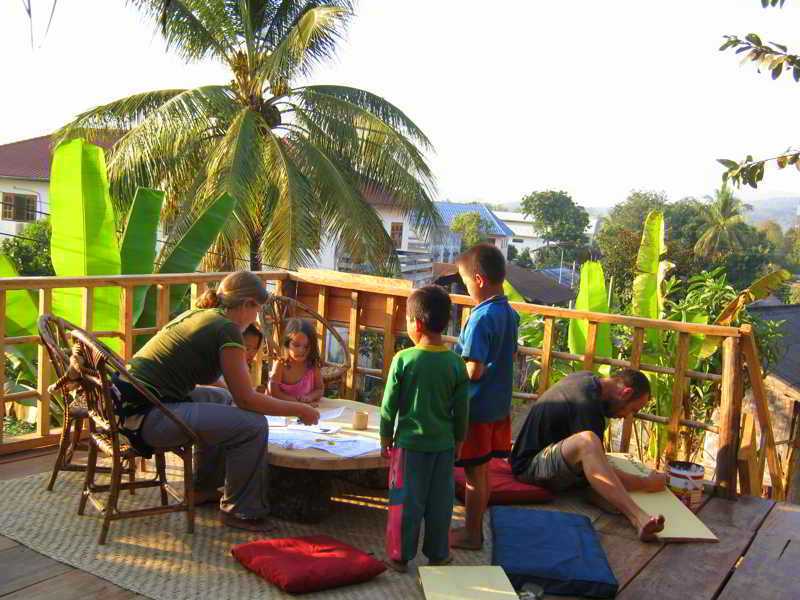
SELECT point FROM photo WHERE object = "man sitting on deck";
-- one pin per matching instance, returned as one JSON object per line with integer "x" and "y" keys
{"x": 561, "y": 443}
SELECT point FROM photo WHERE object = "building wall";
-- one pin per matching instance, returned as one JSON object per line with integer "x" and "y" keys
{"x": 40, "y": 189}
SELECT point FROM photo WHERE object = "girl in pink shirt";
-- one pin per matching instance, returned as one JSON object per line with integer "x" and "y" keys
{"x": 297, "y": 376}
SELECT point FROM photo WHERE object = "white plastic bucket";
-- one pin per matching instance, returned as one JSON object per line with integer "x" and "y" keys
{"x": 685, "y": 480}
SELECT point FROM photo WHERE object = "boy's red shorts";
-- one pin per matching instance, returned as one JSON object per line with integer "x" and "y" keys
{"x": 485, "y": 441}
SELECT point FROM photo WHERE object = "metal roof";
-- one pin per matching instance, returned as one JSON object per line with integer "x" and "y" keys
{"x": 450, "y": 210}
{"x": 788, "y": 367}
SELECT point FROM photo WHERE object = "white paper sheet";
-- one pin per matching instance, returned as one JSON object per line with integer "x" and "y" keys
{"x": 277, "y": 421}
{"x": 346, "y": 447}
{"x": 331, "y": 414}
{"x": 326, "y": 428}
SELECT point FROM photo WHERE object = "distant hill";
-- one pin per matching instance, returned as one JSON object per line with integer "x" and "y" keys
{"x": 782, "y": 210}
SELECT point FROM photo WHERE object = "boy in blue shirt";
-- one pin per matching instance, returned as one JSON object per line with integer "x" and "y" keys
{"x": 487, "y": 344}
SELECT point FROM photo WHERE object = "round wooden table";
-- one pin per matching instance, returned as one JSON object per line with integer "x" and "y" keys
{"x": 301, "y": 481}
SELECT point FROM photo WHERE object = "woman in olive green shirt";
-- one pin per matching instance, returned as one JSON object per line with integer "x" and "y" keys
{"x": 195, "y": 349}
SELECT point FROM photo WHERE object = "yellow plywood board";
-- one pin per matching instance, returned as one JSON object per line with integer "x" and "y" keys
{"x": 466, "y": 583}
{"x": 680, "y": 523}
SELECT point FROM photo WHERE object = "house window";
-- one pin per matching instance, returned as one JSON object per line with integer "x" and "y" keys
{"x": 491, "y": 241}
{"x": 518, "y": 241}
{"x": 19, "y": 207}
{"x": 397, "y": 235}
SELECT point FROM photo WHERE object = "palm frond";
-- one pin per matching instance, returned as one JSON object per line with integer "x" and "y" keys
{"x": 282, "y": 15}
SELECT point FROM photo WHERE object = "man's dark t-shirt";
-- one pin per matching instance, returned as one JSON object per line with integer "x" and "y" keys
{"x": 570, "y": 406}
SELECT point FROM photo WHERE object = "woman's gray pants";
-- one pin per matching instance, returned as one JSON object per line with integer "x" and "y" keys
{"x": 232, "y": 449}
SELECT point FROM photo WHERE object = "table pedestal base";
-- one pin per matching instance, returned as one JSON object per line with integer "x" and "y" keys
{"x": 299, "y": 495}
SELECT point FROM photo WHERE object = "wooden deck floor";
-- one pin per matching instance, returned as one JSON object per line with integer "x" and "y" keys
{"x": 757, "y": 557}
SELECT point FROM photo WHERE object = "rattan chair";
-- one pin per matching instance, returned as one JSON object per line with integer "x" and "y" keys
{"x": 53, "y": 334}
{"x": 97, "y": 364}
{"x": 274, "y": 316}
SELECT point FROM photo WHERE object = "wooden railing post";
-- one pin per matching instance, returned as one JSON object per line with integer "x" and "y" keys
{"x": 87, "y": 314}
{"x": 547, "y": 355}
{"x": 43, "y": 375}
{"x": 126, "y": 320}
{"x": 162, "y": 304}
{"x": 322, "y": 309}
{"x": 353, "y": 336}
{"x": 636, "y": 360}
{"x": 730, "y": 412}
{"x": 388, "y": 334}
{"x": 591, "y": 346}
{"x": 196, "y": 290}
{"x": 761, "y": 403}
{"x": 2, "y": 361}
{"x": 678, "y": 389}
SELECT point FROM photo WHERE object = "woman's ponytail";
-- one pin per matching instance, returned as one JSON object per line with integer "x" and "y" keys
{"x": 209, "y": 299}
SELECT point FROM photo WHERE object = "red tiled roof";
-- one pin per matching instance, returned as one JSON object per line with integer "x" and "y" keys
{"x": 27, "y": 159}
{"x": 31, "y": 159}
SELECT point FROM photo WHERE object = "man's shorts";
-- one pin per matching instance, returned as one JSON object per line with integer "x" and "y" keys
{"x": 550, "y": 470}
{"x": 485, "y": 441}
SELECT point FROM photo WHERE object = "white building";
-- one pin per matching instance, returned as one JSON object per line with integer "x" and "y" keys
{"x": 522, "y": 227}
{"x": 24, "y": 183}
{"x": 446, "y": 245}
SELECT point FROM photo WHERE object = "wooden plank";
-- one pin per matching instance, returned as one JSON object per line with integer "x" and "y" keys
{"x": 591, "y": 345}
{"x": 322, "y": 309}
{"x": 6, "y": 543}
{"x": 197, "y": 289}
{"x": 162, "y": 305}
{"x": 43, "y": 370}
{"x": 698, "y": 571}
{"x": 22, "y": 443}
{"x": 681, "y": 524}
{"x": 388, "y": 335}
{"x": 627, "y": 557}
{"x": 353, "y": 335}
{"x": 730, "y": 412}
{"x": 547, "y": 354}
{"x": 126, "y": 320}
{"x": 678, "y": 390}
{"x": 465, "y": 583}
{"x": 748, "y": 344}
{"x": 37, "y": 283}
{"x": 22, "y": 567}
{"x": 73, "y": 585}
{"x": 747, "y": 458}
{"x": 87, "y": 314}
{"x": 636, "y": 359}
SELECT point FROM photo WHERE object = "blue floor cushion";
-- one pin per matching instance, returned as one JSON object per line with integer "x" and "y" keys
{"x": 558, "y": 551}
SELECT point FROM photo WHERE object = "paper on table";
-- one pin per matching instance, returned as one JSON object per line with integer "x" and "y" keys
{"x": 291, "y": 440}
{"x": 277, "y": 421}
{"x": 347, "y": 447}
{"x": 331, "y": 414}
{"x": 327, "y": 428}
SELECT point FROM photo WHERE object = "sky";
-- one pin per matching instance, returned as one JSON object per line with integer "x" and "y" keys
{"x": 594, "y": 98}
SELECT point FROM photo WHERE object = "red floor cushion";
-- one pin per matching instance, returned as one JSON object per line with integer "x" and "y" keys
{"x": 504, "y": 488}
{"x": 307, "y": 564}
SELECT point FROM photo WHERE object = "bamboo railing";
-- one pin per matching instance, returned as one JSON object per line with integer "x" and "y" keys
{"x": 363, "y": 303}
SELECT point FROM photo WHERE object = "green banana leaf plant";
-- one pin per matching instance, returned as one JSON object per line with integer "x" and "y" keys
{"x": 592, "y": 296}
{"x": 651, "y": 270}
{"x": 22, "y": 311}
{"x": 84, "y": 240}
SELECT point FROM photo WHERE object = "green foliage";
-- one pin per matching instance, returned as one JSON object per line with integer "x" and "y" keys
{"x": 513, "y": 253}
{"x": 592, "y": 296}
{"x": 30, "y": 252}
{"x": 473, "y": 228}
{"x": 556, "y": 218}
{"x": 138, "y": 244}
{"x": 648, "y": 297}
{"x": 84, "y": 238}
{"x": 524, "y": 259}
{"x": 299, "y": 159}
{"x": 723, "y": 224}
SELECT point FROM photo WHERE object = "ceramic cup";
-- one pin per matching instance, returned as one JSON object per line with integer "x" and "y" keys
{"x": 360, "y": 419}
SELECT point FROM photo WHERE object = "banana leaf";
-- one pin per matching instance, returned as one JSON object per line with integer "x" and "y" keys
{"x": 84, "y": 240}
{"x": 760, "y": 288}
{"x": 186, "y": 255}
{"x": 22, "y": 312}
{"x": 592, "y": 296}
{"x": 648, "y": 297}
{"x": 138, "y": 246}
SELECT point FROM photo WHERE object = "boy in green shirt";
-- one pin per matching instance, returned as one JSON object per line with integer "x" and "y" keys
{"x": 427, "y": 395}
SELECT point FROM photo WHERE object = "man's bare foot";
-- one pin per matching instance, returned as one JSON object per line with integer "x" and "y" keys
{"x": 258, "y": 525}
{"x": 206, "y": 496}
{"x": 464, "y": 540}
{"x": 648, "y": 531}
{"x": 397, "y": 565}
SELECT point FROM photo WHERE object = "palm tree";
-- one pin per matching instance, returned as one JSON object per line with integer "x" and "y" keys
{"x": 299, "y": 160}
{"x": 723, "y": 220}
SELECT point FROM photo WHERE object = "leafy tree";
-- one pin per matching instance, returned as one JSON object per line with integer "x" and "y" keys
{"x": 299, "y": 160}
{"x": 524, "y": 259}
{"x": 723, "y": 224}
{"x": 556, "y": 218}
{"x": 512, "y": 252}
{"x": 30, "y": 252}
{"x": 791, "y": 247}
{"x": 473, "y": 228}
{"x": 776, "y": 59}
